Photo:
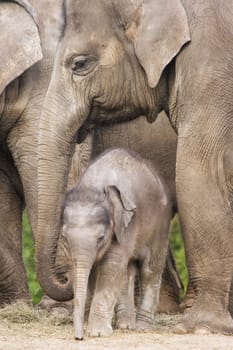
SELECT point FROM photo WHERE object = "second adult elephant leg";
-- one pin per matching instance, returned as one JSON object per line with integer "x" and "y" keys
{"x": 230, "y": 306}
{"x": 205, "y": 206}
{"x": 13, "y": 279}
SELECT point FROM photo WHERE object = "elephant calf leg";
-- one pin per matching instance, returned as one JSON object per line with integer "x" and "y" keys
{"x": 150, "y": 275}
{"x": 109, "y": 282}
{"x": 125, "y": 308}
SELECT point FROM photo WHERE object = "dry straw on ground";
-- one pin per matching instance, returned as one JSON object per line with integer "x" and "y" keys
{"x": 25, "y": 328}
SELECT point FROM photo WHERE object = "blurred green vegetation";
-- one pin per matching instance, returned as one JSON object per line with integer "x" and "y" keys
{"x": 177, "y": 245}
{"x": 28, "y": 255}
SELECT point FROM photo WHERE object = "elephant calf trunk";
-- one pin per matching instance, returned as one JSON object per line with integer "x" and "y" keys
{"x": 81, "y": 277}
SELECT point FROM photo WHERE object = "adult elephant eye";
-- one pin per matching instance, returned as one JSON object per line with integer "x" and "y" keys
{"x": 83, "y": 65}
{"x": 100, "y": 239}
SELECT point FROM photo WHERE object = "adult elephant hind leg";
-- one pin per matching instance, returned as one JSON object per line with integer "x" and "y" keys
{"x": 13, "y": 279}
{"x": 206, "y": 218}
{"x": 230, "y": 306}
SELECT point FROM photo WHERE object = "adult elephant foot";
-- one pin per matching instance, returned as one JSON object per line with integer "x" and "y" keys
{"x": 169, "y": 302}
{"x": 189, "y": 299}
{"x": 54, "y": 308}
{"x": 201, "y": 321}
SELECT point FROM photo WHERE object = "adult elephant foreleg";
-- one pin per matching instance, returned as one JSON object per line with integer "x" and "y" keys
{"x": 13, "y": 279}
{"x": 204, "y": 202}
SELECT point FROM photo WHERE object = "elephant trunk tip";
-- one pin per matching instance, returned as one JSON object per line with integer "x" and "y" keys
{"x": 53, "y": 287}
{"x": 78, "y": 333}
{"x": 78, "y": 337}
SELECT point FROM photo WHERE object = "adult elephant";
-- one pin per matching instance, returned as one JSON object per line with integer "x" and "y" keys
{"x": 22, "y": 91}
{"x": 129, "y": 58}
{"x": 27, "y": 27}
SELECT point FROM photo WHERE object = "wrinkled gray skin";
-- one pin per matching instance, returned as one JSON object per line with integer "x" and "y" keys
{"x": 120, "y": 211}
{"x": 125, "y": 61}
{"x": 22, "y": 91}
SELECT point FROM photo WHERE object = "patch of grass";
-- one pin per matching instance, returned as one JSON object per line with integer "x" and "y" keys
{"x": 22, "y": 313}
{"x": 19, "y": 313}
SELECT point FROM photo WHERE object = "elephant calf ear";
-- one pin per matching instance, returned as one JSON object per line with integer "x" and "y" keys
{"x": 160, "y": 31}
{"x": 19, "y": 42}
{"x": 123, "y": 210}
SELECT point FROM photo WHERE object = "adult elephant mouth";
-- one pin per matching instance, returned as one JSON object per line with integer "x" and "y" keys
{"x": 100, "y": 116}
{"x": 87, "y": 126}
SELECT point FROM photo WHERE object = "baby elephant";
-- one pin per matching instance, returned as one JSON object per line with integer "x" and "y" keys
{"x": 119, "y": 213}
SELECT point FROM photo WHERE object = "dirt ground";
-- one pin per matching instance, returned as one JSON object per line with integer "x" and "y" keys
{"x": 26, "y": 329}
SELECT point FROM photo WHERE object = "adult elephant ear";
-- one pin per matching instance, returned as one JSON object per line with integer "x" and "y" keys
{"x": 19, "y": 40}
{"x": 158, "y": 29}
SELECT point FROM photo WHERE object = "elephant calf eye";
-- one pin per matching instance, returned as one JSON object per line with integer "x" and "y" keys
{"x": 82, "y": 65}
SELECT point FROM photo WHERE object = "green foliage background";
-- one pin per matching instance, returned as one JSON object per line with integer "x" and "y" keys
{"x": 177, "y": 245}
{"x": 28, "y": 255}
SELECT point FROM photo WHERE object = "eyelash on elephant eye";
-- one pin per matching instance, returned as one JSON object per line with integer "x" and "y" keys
{"x": 83, "y": 64}
{"x": 100, "y": 239}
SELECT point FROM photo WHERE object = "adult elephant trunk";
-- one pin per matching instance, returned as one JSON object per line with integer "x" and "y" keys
{"x": 58, "y": 128}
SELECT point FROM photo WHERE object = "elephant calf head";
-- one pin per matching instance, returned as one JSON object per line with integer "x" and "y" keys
{"x": 91, "y": 220}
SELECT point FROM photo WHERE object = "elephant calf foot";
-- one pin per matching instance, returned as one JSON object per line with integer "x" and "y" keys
{"x": 125, "y": 320}
{"x": 99, "y": 328}
{"x": 204, "y": 322}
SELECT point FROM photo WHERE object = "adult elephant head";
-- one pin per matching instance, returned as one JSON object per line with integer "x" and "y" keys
{"x": 106, "y": 69}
